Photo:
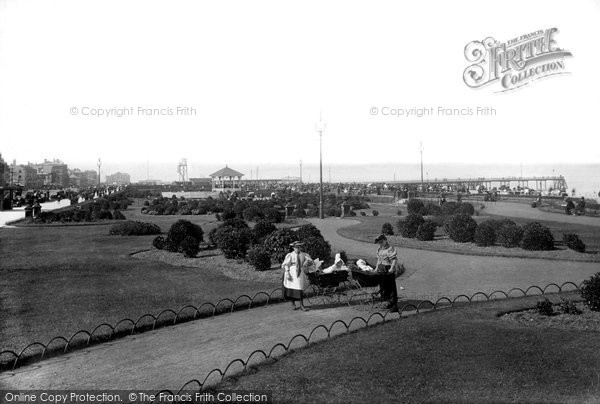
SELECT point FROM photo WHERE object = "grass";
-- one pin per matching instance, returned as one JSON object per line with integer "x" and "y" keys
{"x": 466, "y": 354}
{"x": 370, "y": 226}
{"x": 56, "y": 280}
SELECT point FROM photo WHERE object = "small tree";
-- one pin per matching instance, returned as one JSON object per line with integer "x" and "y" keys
{"x": 573, "y": 241}
{"x": 426, "y": 231}
{"x": 409, "y": 226}
{"x": 461, "y": 228}
{"x": 590, "y": 292}
{"x": 536, "y": 236}
{"x": 179, "y": 231}
{"x": 190, "y": 247}
{"x": 259, "y": 258}
{"x": 485, "y": 235}
{"x": 387, "y": 229}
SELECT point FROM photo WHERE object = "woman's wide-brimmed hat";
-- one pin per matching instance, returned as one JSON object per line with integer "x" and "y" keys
{"x": 380, "y": 238}
{"x": 296, "y": 244}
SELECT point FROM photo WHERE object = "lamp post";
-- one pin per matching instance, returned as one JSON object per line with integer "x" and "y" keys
{"x": 320, "y": 128}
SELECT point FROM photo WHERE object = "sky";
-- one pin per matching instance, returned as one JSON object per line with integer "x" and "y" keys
{"x": 245, "y": 83}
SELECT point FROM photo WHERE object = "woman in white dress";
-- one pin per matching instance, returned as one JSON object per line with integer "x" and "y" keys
{"x": 295, "y": 265}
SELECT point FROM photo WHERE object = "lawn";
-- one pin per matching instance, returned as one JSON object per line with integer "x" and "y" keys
{"x": 465, "y": 354}
{"x": 370, "y": 227}
{"x": 56, "y": 280}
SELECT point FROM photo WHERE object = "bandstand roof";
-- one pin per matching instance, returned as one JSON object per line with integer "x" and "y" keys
{"x": 226, "y": 172}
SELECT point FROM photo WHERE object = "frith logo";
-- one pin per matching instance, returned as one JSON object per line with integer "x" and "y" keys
{"x": 515, "y": 63}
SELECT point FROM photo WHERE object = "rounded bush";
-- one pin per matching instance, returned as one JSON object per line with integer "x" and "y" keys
{"x": 134, "y": 228}
{"x": 485, "y": 235}
{"x": 259, "y": 258}
{"x": 430, "y": 209}
{"x": 544, "y": 307}
{"x": 415, "y": 206}
{"x": 179, "y": 231}
{"x": 534, "y": 204}
{"x": 409, "y": 226}
{"x": 190, "y": 247}
{"x": 375, "y": 213}
{"x": 449, "y": 208}
{"x": 299, "y": 212}
{"x": 317, "y": 247}
{"x": 387, "y": 229}
{"x": 235, "y": 222}
{"x": 537, "y": 237}
{"x": 262, "y": 229}
{"x": 461, "y": 228}
{"x": 465, "y": 208}
{"x": 509, "y": 235}
{"x": 233, "y": 242}
{"x": 426, "y": 231}
{"x": 278, "y": 243}
{"x": 308, "y": 230}
{"x": 590, "y": 292}
{"x": 252, "y": 214}
{"x": 399, "y": 213}
{"x": 159, "y": 242}
{"x": 573, "y": 241}
{"x": 272, "y": 215}
{"x": 363, "y": 213}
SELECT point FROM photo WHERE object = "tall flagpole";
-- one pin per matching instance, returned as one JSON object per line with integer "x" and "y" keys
{"x": 320, "y": 128}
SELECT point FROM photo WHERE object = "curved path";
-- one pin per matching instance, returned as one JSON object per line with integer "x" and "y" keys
{"x": 169, "y": 357}
{"x": 431, "y": 274}
{"x": 522, "y": 210}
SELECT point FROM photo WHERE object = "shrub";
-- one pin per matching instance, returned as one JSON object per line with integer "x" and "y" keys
{"x": 430, "y": 209}
{"x": 212, "y": 235}
{"x": 159, "y": 242}
{"x": 590, "y": 291}
{"x": 317, "y": 247}
{"x": 544, "y": 307}
{"x": 409, "y": 226}
{"x": 104, "y": 215}
{"x": 262, "y": 229}
{"x": 449, "y": 208}
{"x": 363, "y": 214}
{"x": 537, "y": 237}
{"x": 375, "y": 212}
{"x": 426, "y": 231}
{"x": 299, "y": 212}
{"x": 461, "y": 228}
{"x": 179, "y": 231}
{"x": 533, "y": 204}
{"x": 334, "y": 211}
{"x": 485, "y": 235}
{"x": 134, "y": 228}
{"x": 509, "y": 235}
{"x": 387, "y": 229}
{"x": 272, "y": 215}
{"x": 399, "y": 213}
{"x": 567, "y": 306}
{"x": 233, "y": 242}
{"x": 308, "y": 230}
{"x": 573, "y": 241}
{"x": 236, "y": 223}
{"x": 278, "y": 243}
{"x": 228, "y": 214}
{"x": 190, "y": 247}
{"x": 252, "y": 214}
{"x": 465, "y": 208}
{"x": 259, "y": 258}
{"x": 146, "y": 203}
{"x": 414, "y": 206}
{"x": 117, "y": 215}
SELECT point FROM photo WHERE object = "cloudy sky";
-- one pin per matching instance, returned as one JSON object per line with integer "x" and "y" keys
{"x": 258, "y": 75}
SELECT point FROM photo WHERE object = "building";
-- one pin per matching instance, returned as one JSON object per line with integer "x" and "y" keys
{"x": 83, "y": 179}
{"x": 25, "y": 176}
{"x": 118, "y": 178}
{"x": 201, "y": 182}
{"x": 4, "y": 172}
{"x": 226, "y": 179}
{"x": 54, "y": 173}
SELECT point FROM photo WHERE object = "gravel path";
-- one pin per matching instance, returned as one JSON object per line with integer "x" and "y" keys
{"x": 431, "y": 274}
